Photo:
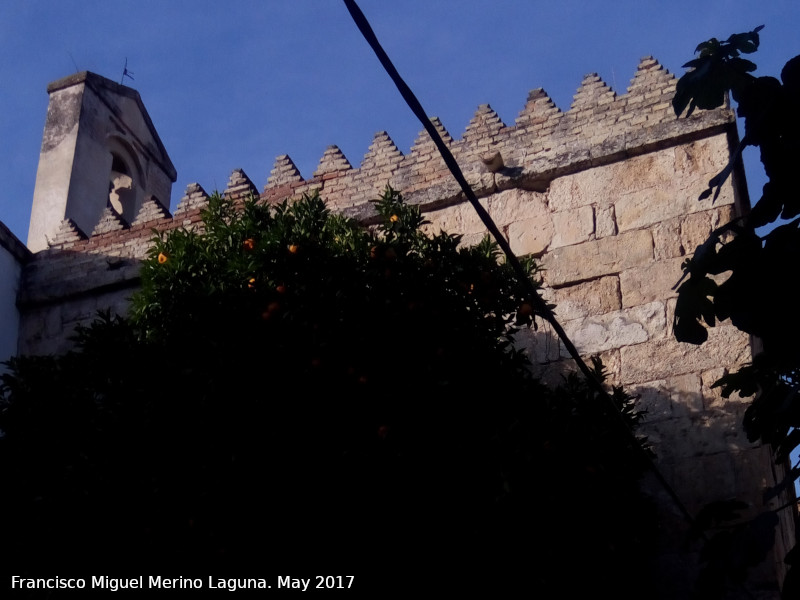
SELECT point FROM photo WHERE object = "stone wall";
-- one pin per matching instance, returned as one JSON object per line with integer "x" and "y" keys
{"x": 605, "y": 195}
{"x": 13, "y": 255}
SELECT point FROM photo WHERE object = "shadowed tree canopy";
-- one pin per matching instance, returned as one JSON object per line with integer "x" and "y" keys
{"x": 292, "y": 389}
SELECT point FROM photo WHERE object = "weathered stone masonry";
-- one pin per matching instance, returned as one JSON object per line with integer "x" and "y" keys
{"x": 605, "y": 194}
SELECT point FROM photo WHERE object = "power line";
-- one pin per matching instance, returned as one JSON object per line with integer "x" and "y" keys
{"x": 541, "y": 306}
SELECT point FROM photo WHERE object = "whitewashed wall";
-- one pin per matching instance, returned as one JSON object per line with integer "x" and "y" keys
{"x": 12, "y": 254}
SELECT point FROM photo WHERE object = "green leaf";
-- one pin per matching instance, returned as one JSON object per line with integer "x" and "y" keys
{"x": 745, "y": 42}
{"x": 742, "y": 65}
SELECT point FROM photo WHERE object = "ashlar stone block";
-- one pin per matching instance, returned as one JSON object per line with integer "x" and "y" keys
{"x": 694, "y": 162}
{"x": 572, "y": 227}
{"x": 597, "y": 258}
{"x": 531, "y": 236}
{"x": 667, "y": 239}
{"x": 581, "y": 189}
{"x": 666, "y": 201}
{"x": 595, "y": 334}
{"x": 604, "y": 185}
{"x": 540, "y": 345}
{"x": 678, "y": 397}
{"x": 686, "y": 394}
{"x": 712, "y": 396}
{"x": 595, "y": 297}
{"x": 459, "y": 218}
{"x": 605, "y": 222}
{"x": 514, "y": 205}
{"x": 649, "y": 282}
{"x": 661, "y": 358}
{"x": 654, "y": 400}
{"x": 695, "y": 229}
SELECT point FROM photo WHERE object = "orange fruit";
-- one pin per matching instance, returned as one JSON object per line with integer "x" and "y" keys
{"x": 293, "y": 248}
{"x": 249, "y": 244}
{"x": 270, "y": 311}
{"x": 162, "y": 258}
{"x": 525, "y": 309}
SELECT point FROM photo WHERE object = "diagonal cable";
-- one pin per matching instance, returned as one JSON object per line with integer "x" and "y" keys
{"x": 540, "y": 305}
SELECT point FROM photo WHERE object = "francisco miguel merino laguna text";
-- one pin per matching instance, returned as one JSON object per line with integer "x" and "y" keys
{"x": 132, "y": 583}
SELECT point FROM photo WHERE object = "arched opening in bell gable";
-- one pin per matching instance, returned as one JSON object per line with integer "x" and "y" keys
{"x": 125, "y": 186}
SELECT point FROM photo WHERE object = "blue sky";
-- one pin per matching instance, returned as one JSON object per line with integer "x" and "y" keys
{"x": 234, "y": 84}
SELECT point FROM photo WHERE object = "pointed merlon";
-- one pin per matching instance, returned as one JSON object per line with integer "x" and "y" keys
{"x": 68, "y": 233}
{"x": 484, "y": 124}
{"x": 592, "y": 92}
{"x": 194, "y": 197}
{"x": 538, "y": 108}
{"x": 650, "y": 75}
{"x": 240, "y": 186}
{"x": 333, "y": 161}
{"x": 109, "y": 221}
{"x": 424, "y": 144}
{"x": 382, "y": 153}
{"x": 151, "y": 210}
{"x": 284, "y": 171}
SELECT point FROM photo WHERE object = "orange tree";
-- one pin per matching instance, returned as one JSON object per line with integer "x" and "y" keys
{"x": 292, "y": 386}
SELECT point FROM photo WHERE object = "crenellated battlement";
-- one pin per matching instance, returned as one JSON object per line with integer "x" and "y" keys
{"x": 543, "y": 144}
{"x": 600, "y": 127}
